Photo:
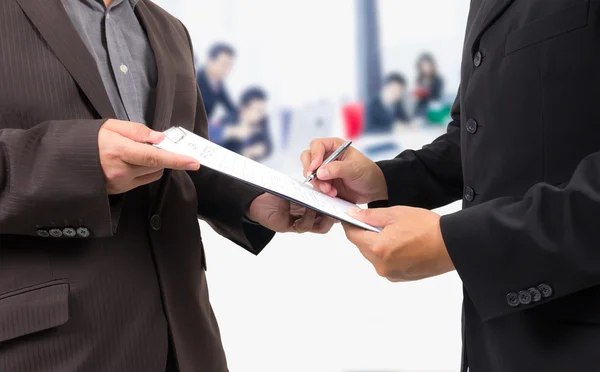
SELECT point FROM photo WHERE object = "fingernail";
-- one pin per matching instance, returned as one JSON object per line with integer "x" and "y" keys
{"x": 323, "y": 173}
{"x": 314, "y": 164}
{"x": 323, "y": 188}
{"x": 192, "y": 166}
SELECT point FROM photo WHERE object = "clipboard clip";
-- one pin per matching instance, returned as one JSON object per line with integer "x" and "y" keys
{"x": 175, "y": 134}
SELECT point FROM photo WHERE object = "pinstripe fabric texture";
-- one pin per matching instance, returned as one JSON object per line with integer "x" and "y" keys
{"x": 111, "y": 301}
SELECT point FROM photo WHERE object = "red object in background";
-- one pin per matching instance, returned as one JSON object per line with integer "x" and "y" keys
{"x": 354, "y": 119}
{"x": 421, "y": 93}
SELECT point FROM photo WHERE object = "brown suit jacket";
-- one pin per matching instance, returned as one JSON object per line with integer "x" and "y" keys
{"x": 109, "y": 301}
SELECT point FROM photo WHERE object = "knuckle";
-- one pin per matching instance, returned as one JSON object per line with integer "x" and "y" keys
{"x": 152, "y": 160}
{"x": 116, "y": 174}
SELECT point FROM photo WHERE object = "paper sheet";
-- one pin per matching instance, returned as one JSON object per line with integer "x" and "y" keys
{"x": 213, "y": 156}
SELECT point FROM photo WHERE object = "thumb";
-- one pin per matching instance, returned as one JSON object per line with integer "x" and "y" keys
{"x": 380, "y": 217}
{"x": 338, "y": 169}
{"x": 136, "y": 132}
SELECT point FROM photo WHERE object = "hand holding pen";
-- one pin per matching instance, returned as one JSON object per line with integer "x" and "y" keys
{"x": 338, "y": 169}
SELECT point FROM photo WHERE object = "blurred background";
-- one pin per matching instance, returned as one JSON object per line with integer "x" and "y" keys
{"x": 276, "y": 74}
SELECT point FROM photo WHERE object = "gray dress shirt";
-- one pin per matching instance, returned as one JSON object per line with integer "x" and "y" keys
{"x": 123, "y": 54}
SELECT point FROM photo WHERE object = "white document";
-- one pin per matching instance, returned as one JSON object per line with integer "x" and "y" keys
{"x": 208, "y": 154}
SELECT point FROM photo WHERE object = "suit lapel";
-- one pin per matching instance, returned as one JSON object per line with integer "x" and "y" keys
{"x": 165, "y": 90}
{"x": 54, "y": 24}
{"x": 491, "y": 10}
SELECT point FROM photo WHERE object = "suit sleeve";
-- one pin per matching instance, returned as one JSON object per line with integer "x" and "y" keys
{"x": 426, "y": 178}
{"x": 548, "y": 237}
{"x": 223, "y": 201}
{"x": 51, "y": 177}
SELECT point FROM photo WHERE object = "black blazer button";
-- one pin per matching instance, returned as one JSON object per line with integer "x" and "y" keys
{"x": 83, "y": 232}
{"x": 472, "y": 126}
{"x": 469, "y": 194}
{"x": 55, "y": 233}
{"x": 512, "y": 299}
{"x": 69, "y": 232}
{"x": 42, "y": 233}
{"x": 477, "y": 59}
{"x": 535, "y": 294}
{"x": 155, "y": 222}
{"x": 525, "y": 298}
{"x": 545, "y": 289}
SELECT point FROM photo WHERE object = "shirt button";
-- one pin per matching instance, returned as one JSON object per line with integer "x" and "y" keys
{"x": 545, "y": 289}
{"x": 155, "y": 222}
{"x": 512, "y": 300}
{"x": 55, "y": 233}
{"x": 478, "y": 59}
{"x": 42, "y": 233}
{"x": 83, "y": 232}
{"x": 469, "y": 194}
{"x": 124, "y": 68}
{"x": 472, "y": 126}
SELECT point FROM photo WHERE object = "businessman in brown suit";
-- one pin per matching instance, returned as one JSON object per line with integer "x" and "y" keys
{"x": 101, "y": 257}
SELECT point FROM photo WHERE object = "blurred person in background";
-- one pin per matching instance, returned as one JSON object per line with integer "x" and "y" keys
{"x": 102, "y": 265}
{"x": 430, "y": 84}
{"x": 387, "y": 110}
{"x": 211, "y": 79}
{"x": 522, "y": 152}
{"x": 247, "y": 133}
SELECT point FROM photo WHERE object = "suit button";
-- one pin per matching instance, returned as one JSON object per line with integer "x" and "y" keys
{"x": 535, "y": 294}
{"x": 469, "y": 194}
{"x": 545, "y": 289}
{"x": 55, "y": 233}
{"x": 477, "y": 59}
{"x": 42, "y": 233}
{"x": 472, "y": 126}
{"x": 512, "y": 299}
{"x": 83, "y": 232}
{"x": 69, "y": 232}
{"x": 155, "y": 222}
{"x": 525, "y": 298}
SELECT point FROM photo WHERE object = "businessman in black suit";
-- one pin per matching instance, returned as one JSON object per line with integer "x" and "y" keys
{"x": 522, "y": 152}
{"x": 211, "y": 79}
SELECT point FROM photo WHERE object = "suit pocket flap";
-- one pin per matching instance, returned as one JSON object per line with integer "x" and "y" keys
{"x": 33, "y": 309}
{"x": 569, "y": 19}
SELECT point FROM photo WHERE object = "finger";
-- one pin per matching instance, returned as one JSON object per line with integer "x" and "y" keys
{"x": 305, "y": 159}
{"x": 323, "y": 225}
{"x": 148, "y": 178}
{"x": 152, "y": 157}
{"x": 320, "y": 147}
{"x": 363, "y": 240}
{"x": 139, "y": 171}
{"x": 306, "y": 222}
{"x": 338, "y": 169}
{"x": 379, "y": 217}
{"x": 135, "y": 131}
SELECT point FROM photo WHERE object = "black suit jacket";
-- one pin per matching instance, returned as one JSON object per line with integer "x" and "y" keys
{"x": 522, "y": 153}
{"x": 89, "y": 283}
{"x": 380, "y": 119}
{"x": 213, "y": 97}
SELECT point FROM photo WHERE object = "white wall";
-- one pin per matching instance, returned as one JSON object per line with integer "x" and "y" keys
{"x": 305, "y": 50}
{"x": 312, "y": 303}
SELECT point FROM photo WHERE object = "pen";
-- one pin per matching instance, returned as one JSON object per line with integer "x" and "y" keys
{"x": 336, "y": 154}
